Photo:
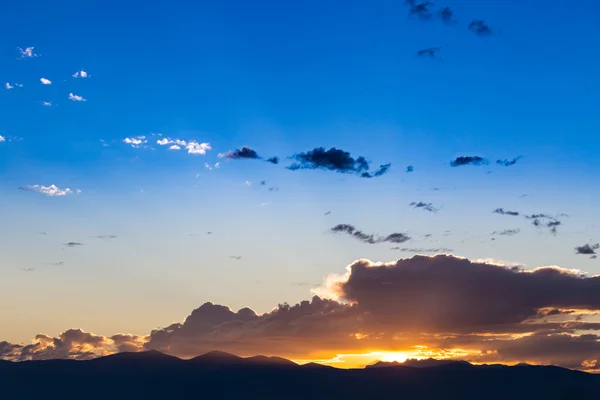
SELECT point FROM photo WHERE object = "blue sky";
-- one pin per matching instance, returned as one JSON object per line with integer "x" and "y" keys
{"x": 281, "y": 78}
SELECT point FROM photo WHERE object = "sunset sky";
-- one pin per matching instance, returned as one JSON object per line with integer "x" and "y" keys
{"x": 140, "y": 191}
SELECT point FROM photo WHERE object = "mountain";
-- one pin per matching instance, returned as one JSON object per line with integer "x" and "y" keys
{"x": 218, "y": 375}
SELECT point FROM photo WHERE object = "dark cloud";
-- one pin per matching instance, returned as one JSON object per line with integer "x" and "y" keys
{"x": 274, "y": 189}
{"x": 545, "y": 221}
{"x": 421, "y": 250}
{"x": 502, "y": 211}
{"x": 468, "y": 160}
{"x": 507, "y": 232}
{"x": 593, "y": 257}
{"x": 410, "y": 168}
{"x": 421, "y": 10}
{"x": 263, "y": 183}
{"x": 72, "y": 244}
{"x": 106, "y": 237}
{"x": 335, "y": 160}
{"x": 587, "y": 249}
{"x": 446, "y": 15}
{"x": 236, "y": 257}
{"x": 431, "y": 52}
{"x": 28, "y": 269}
{"x": 508, "y": 163}
{"x": 368, "y": 238}
{"x": 480, "y": 28}
{"x": 273, "y": 160}
{"x": 240, "y": 154}
{"x": 56, "y": 263}
{"x": 328, "y": 212}
{"x": 425, "y": 206}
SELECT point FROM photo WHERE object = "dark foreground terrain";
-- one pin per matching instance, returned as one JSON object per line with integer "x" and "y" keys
{"x": 153, "y": 375}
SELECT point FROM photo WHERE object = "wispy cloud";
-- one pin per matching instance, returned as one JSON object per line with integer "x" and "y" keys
{"x": 480, "y": 28}
{"x": 80, "y": 74}
{"x": 209, "y": 167}
{"x": 508, "y": 163}
{"x": 191, "y": 146}
{"x": 446, "y": 15}
{"x": 425, "y": 206}
{"x": 468, "y": 160}
{"x": 47, "y": 103}
{"x": 502, "y": 211}
{"x": 27, "y": 53}
{"x": 45, "y": 81}
{"x": 431, "y": 52}
{"x": 248, "y": 183}
{"x": 336, "y": 160}
{"x": 507, "y": 232}
{"x": 72, "y": 244}
{"x": 75, "y": 97}
{"x": 369, "y": 238}
{"x": 135, "y": 141}
{"x": 8, "y": 86}
{"x": 2, "y": 139}
{"x": 421, "y": 250}
{"x": 51, "y": 190}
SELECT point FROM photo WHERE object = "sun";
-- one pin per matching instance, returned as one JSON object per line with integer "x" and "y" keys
{"x": 394, "y": 356}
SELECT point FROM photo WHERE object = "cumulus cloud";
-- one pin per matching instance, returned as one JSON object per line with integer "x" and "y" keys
{"x": 508, "y": 163}
{"x": 45, "y": 81}
{"x": 27, "y": 53}
{"x": 468, "y": 160}
{"x": 135, "y": 141}
{"x": 424, "y": 206}
{"x": 246, "y": 153}
{"x": 2, "y": 139}
{"x": 51, "y": 190}
{"x": 588, "y": 249}
{"x": 369, "y": 238}
{"x": 80, "y": 74}
{"x": 480, "y": 28}
{"x": 428, "y": 305}
{"x": 75, "y": 97}
{"x": 335, "y": 160}
{"x": 502, "y": 211}
{"x": 192, "y": 146}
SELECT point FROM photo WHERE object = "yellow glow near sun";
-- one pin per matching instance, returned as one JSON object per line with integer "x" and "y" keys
{"x": 395, "y": 356}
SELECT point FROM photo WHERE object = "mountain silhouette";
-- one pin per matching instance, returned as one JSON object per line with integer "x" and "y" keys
{"x": 219, "y": 375}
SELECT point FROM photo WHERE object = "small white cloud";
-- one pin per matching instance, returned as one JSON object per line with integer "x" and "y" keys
{"x": 27, "y": 53}
{"x": 74, "y": 97}
{"x": 47, "y": 103}
{"x": 80, "y": 74}
{"x": 248, "y": 183}
{"x": 18, "y": 84}
{"x": 2, "y": 139}
{"x": 45, "y": 81}
{"x": 51, "y": 190}
{"x": 264, "y": 204}
{"x": 135, "y": 141}
{"x": 197, "y": 148}
{"x": 164, "y": 142}
{"x": 8, "y": 86}
{"x": 174, "y": 147}
{"x": 104, "y": 144}
{"x": 217, "y": 165}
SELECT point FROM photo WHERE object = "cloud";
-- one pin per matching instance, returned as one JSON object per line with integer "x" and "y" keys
{"x": 27, "y": 53}
{"x": 335, "y": 160}
{"x": 425, "y": 206}
{"x": 106, "y": 237}
{"x": 248, "y": 183}
{"x": 502, "y": 211}
{"x": 507, "y": 232}
{"x": 410, "y": 168}
{"x": 245, "y": 153}
{"x": 73, "y": 244}
{"x": 431, "y": 52}
{"x": 135, "y": 141}
{"x": 588, "y": 249}
{"x": 480, "y": 28}
{"x": 468, "y": 160}
{"x": 508, "y": 163}
{"x": 51, "y": 190}
{"x": 367, "y": 238}
{"x": 428, "y": 306}
{"x": 45, "y": 81}
{"x": 273, "y": 160}
{"x": 8, "y": 86}
{"x": 544, "y": 221}
{"x": 2, "y": 139}
{"x": 192, "y": 146}
{"x": 421, "y": 250}
{"x": 421, "y": 10}
{"x": 75, "y": 97}
{"x": 209, "y": 167}
{"x": 446, "y": 15}
{"x": 47, "y": 103}
{"x": 80, "y": 74}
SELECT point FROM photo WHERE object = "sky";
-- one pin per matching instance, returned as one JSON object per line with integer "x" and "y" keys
{"x": 126, "y": 205}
